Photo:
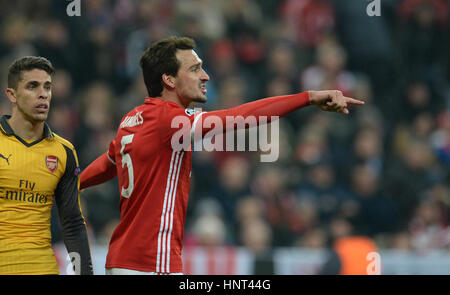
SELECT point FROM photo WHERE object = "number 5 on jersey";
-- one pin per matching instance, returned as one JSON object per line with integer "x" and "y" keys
{"x": 126, "y": 160}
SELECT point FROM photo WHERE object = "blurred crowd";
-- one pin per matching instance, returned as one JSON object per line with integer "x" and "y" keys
{"x": 385, "y": 167}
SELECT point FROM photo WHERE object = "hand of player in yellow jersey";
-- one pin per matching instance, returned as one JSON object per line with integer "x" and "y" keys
{"x": 332, "y": 101}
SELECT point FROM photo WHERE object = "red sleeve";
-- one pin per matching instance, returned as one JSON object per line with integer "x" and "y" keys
{"x": 99, "y": 171}
{"x": 267, "y": 108}
{"x": 180, "y": 127}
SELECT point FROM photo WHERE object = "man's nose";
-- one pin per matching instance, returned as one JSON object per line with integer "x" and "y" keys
{"x": 205, "y": 76}
{"x": 44, "y": 93}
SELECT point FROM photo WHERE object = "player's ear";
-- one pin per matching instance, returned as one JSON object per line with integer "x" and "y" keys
{"x": 168, "y": 80}
{"x": 11, "y": 94}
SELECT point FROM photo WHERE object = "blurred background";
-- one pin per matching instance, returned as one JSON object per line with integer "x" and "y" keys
{"x": 382, "y": 172}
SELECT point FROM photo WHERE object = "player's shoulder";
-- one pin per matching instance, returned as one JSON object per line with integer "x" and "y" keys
{"x": 165, "y": 111}
{"x": 169, "y": 107}
{"x": 64, "y": 142}
{"x": 176, "y": 110}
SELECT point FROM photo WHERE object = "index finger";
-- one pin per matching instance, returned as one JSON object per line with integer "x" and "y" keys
{"x": 354, "y": 101}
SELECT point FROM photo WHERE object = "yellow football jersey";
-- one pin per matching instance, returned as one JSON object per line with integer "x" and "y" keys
{"x": 32, "y": 176}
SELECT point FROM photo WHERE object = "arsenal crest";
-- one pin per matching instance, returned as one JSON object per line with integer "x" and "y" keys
{"x": 52, "y": 163}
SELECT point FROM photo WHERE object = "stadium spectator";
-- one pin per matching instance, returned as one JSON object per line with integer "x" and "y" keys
{"x": 423, "y": 41}
{"x": 329, "y": 69}
{"x": 377, "y": 212}
{"x": 350, "y": 251}
{"x": 309, "y": 20}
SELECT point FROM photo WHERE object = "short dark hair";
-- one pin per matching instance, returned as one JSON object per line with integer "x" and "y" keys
{"x": 27, "y": 63}
{"x": 160, "y": 59}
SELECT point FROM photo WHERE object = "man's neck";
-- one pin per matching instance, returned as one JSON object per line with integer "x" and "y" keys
{"x": 26, "y": 129}
{"x": 173, "y": 97}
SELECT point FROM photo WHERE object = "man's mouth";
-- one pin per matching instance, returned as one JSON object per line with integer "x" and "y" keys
{"x": 203, "y": 88}
{"x": 42, "y": 108}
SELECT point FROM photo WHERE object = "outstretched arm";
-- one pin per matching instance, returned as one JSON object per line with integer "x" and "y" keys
{"x": 278, "y": 106}
{"x": 103, "y": 168}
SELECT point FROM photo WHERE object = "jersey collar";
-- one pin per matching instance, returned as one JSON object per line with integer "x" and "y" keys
{"x": 6, "y": 128}
{"x": 149, "y": 100}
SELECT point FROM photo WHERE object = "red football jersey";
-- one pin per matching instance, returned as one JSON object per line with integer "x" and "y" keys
{"x": 153, "y": 163}
{"x": 154, "y": 182}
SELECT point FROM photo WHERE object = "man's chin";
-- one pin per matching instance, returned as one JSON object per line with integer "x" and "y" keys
{"x": 201, "y": 99}
{"x": 40, "y": 118}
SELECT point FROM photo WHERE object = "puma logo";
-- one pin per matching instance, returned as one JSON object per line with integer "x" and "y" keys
{"x": 6, "y": 159}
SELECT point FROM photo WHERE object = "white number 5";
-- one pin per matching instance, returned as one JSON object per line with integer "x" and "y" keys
{"x": 126, "y": 160}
